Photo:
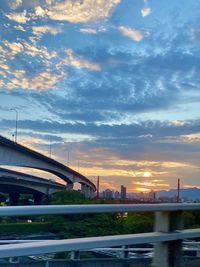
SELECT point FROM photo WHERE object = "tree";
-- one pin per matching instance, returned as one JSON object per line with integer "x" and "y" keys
{"x": 68, "y": 197}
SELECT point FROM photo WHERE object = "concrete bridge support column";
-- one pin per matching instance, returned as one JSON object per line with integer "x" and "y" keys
{"x": 168, "y": 254}
{"x": 14, "y": 198}
{"x": 70, "y": 186}
{"x": 92, "y": 193}
{"x": 84, "y": 189}
{"x": 38, "y": 199}
{"x": 87, "y": 191}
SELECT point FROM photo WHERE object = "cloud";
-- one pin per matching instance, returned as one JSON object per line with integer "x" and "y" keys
{"x": 191, "y": 138}
{"x": 145, "y": 12}
{"x": 179, "y": 122}
{"x": 92, "y": 30}
{"x": 14, "y": 47}
{"x": 88, "y": 30}
{"x": 1, "y": 83}
{"x": 33, "y": 72}
{"x": 20, "y": 17}
{"x": 14, "y": 4}
{"x": 132, "y": 33}
{"x": 40, "y": 30}
{"x": 20, "y": 28}
{"x": 151, "y": 184}
{"x": 45, "y": 80}
{"x": 78, "y": 63}
{"x": 77, "y": 11}
{"x": 31, "y": 49}
{"x": 4, "y": 66}
{"x": 40, "y": 12}
{"x": 42, "y": 76}
{"x": 123, "y": 161}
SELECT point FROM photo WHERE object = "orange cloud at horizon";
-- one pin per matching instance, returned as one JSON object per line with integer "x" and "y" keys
{"x": 142, "y": 189}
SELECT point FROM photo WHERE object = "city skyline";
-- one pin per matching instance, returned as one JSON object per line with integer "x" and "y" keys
{"x": 110, "y": 87}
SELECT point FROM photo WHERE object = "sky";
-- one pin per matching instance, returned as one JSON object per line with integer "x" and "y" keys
{"x": 112, "y": 87}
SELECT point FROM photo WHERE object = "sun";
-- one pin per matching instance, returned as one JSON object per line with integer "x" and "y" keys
{"x": 147, "y": 174}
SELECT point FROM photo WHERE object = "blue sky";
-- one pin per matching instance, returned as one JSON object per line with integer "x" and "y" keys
{"x": 113, "y": 83}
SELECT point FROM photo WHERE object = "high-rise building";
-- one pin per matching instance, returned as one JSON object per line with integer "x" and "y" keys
{"x": 116, "y": 194}
{"x": 152, "y": 195}
{"x": 123, "y": 192}
{"x": 107, "y": 194}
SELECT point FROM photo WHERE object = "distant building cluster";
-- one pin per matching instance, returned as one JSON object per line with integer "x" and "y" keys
{"x": 123, "y": 195}
{"x": 170, "y": 196}
{"x": 109, "y": 194}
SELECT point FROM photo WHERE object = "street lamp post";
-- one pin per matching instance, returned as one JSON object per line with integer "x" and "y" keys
{"x": 16, "y": 123}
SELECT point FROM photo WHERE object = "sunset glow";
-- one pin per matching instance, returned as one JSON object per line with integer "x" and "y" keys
{"x": 142, "y": 189}
{"x": 147, "y": 174}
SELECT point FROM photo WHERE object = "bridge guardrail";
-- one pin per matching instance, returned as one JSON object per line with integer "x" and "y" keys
{"x": 167, "y": 237}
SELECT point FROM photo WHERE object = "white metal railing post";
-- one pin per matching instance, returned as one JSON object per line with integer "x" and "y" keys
{"x": 75, "y": 255}
{"x": 168, "y": 254}
{"x": 124, "y": 252}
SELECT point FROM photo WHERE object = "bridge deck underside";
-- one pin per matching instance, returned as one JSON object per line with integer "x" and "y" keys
{"x": 9, "y": 189}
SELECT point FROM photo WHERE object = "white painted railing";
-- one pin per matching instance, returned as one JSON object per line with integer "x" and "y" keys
{"x": 167, "y": 237}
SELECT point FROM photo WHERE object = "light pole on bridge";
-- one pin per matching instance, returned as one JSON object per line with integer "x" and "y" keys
{"x": 16, "y": 123}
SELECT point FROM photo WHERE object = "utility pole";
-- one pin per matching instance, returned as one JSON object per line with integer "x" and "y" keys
{"x": 178, "y": 191}
{"x": 13, "y": 137}
{"x": 16, "y": 123}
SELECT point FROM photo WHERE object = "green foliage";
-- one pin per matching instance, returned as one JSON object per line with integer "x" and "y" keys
{"x": 93, "y": 225}
{"x": 83, "y": 225}
{"x": 86, "y": 255}
{"x": 138, "y": 223}
{"x": 86, "y": 225}
{"x": 68, "y": 197}
{"x": 24, "y": 228}
{"x": 62, "y": 255}
{"x": 2, "y": 197}
{"x": 191, "y": 219}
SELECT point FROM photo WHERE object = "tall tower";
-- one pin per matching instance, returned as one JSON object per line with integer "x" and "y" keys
{"x": 123, "y": 192}
{"x": 178, "y": 191}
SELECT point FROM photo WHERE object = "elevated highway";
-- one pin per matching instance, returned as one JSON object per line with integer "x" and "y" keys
{"x": 14, "y": 154}
{"x": 15, "y": 183}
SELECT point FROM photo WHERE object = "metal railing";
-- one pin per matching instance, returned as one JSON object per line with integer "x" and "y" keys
{"x": 167, "y": 237}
